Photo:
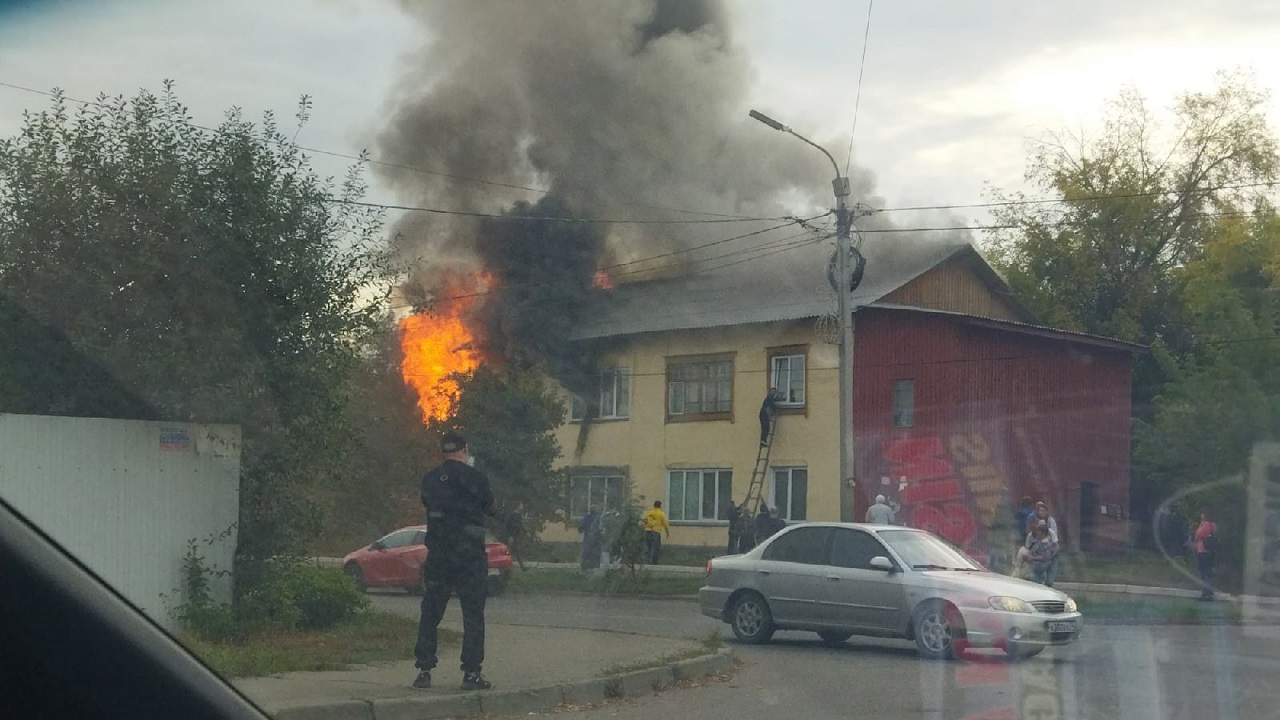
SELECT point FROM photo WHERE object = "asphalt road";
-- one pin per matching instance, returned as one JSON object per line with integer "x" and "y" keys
{"x": 1122, "y": 672}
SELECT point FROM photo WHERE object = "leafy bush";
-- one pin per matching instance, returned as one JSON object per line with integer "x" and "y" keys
{"x": 285, "y": 595}
{"x": 270, "y": 602}
{"x": 325, "y": 597}
{"x": 625, "y": 539}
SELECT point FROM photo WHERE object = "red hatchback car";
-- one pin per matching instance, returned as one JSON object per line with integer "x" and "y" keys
{"x": 395, "y": 560}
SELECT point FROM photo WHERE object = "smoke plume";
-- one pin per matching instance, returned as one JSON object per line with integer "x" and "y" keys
{"x": 621, "y": 109}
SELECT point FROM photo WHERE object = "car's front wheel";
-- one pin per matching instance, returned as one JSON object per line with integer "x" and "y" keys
{"x": 938, "y": 630}
{"x": 354, "y": 572}
{"x": 750, "y": 618}
{"x": 834, "y": 637}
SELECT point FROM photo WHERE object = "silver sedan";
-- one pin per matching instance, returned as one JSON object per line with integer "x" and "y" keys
{"x": 845, "y": 579}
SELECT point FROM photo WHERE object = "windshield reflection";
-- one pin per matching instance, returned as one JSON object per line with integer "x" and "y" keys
{"x": 922, "y": 549}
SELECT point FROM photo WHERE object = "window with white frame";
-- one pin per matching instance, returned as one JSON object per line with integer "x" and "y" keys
{"x": 791, "y": 492}
{"x": 605, "y": 490}
{"x": 698, "y": 388}
{"x": 699, "y": 495}
{"x": 786, "y": 373}
{"x": 615, "y": 397}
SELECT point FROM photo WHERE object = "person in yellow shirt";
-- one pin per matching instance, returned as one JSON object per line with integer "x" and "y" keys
{"x": 654, "y": 522}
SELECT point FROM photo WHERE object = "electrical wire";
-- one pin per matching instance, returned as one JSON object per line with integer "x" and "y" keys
{"x": 857, "y": 98}
{"x": 724, "y": 216}
{"x": 412, "y": 168}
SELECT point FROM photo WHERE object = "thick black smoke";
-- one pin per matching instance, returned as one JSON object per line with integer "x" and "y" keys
{"x": 543, "y": 271}
{"x": 628, "y": 109}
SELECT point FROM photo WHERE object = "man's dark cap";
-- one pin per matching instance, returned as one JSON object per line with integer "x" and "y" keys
{"x": 452, "y": 442}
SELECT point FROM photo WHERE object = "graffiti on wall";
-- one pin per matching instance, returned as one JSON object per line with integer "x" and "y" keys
{"x": 950, "y": 485}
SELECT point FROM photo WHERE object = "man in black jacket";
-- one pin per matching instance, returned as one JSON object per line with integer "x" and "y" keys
{"x": 457, "y": 497}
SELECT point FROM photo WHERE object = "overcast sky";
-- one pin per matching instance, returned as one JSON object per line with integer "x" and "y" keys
{"x": 951, "y": 93}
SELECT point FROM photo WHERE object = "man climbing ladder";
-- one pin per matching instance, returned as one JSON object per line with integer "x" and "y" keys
{"x": 754, "y": 501}
{"x": 768, "y": 410}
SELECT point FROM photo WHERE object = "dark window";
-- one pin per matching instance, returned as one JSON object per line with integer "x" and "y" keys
{"x": 904, "y": 403}
{"x": 854, "y": 549}
{"x": 614, "y": 400}
{"x": 802, "y": 545}
{"x": 698, "y": 494}
{"x": 419, "y": 537}
{"x": 606, "y": 491}
{"x": 786, "y": 373}
{"x": 699, "y": 389}
{"x": 790, "y": 492}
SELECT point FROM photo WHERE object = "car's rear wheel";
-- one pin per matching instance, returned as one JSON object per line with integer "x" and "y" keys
{"x": 834, "y": 637}
{"x": 939, "y": 630}
{"x": 750, "y": 618}
{"x": 354, "y": 572}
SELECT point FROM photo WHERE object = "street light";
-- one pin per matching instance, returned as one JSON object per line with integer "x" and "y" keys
{"x": 845, "y": 280}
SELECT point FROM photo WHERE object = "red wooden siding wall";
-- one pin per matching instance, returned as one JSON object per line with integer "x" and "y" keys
{"x": 998, "y": 414}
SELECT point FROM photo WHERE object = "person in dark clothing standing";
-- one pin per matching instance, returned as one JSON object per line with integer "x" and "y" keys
{"x": 734, "y": 515}
{"x": 764, "y": 526}
{"x": 775, "y": 524}
{"x": 592, "y": 528}
{"x": 767, "y": 410}
{"x": 746, "y": 529}
{"x": 457, "y": 497}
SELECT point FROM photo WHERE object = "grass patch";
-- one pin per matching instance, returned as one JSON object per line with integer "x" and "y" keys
{"x": 1159, "y": 612}
{"x": 1137, "y": 567}
{"x": 609, "y": 583}
{"x": 369, "y": 637}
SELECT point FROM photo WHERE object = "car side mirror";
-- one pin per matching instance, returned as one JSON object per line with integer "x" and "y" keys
{"x": 881, "y": 562}
{"x": 377, "y": 545}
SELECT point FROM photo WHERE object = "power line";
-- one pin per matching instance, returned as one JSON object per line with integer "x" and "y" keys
{"x": 401, "y": 166}
{"x": 765, "y": 246}
{"x": 723, "y": 216}
{"x": 857, "y": 98}
{"x": 772, "y": 248}
{"x": 695, "y": 248}
{"x": 1087, "y": 198}
{"x": 923, "y": 363}
{"x": 590, "y": 221}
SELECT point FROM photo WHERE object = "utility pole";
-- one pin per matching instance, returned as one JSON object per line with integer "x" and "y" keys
{"x": 847, "y": 274}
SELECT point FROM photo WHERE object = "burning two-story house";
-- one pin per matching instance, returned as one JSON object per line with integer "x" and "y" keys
{"x": 963, "y": 404}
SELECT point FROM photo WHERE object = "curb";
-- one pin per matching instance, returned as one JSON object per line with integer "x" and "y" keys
{"x": 516, "y": 702}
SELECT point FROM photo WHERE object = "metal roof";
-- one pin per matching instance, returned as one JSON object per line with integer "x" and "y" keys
{"x": 1020, "y": 327}
{"x": 722, "y": 298}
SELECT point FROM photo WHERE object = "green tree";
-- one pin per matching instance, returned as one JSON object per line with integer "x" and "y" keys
{"x": 378, "y": 491}
{"x": 1166, "y": 235}
{"x": 210, "y": 272}
{"x": 1223, "y": 395}
{"x": 1138, "y": 203}
{"x": 508, "y": 417}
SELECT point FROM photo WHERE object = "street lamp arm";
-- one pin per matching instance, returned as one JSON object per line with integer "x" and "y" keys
{"x": 761, "y": 117}
{"x": 821, "y": 149}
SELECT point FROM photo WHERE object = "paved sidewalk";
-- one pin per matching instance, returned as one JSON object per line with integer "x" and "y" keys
{"x": 519, "y": 658}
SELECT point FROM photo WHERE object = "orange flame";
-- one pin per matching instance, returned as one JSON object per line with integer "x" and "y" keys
{"x": 602, "y": 280}
{"x": 437, "y": 343}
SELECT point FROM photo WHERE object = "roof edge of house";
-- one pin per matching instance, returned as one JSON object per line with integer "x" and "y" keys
{"x": 1052, "y": 333}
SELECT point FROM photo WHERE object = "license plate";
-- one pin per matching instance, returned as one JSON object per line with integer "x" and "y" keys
{"x": 1062, "y": 627}
{"x": 495, "y": 572}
